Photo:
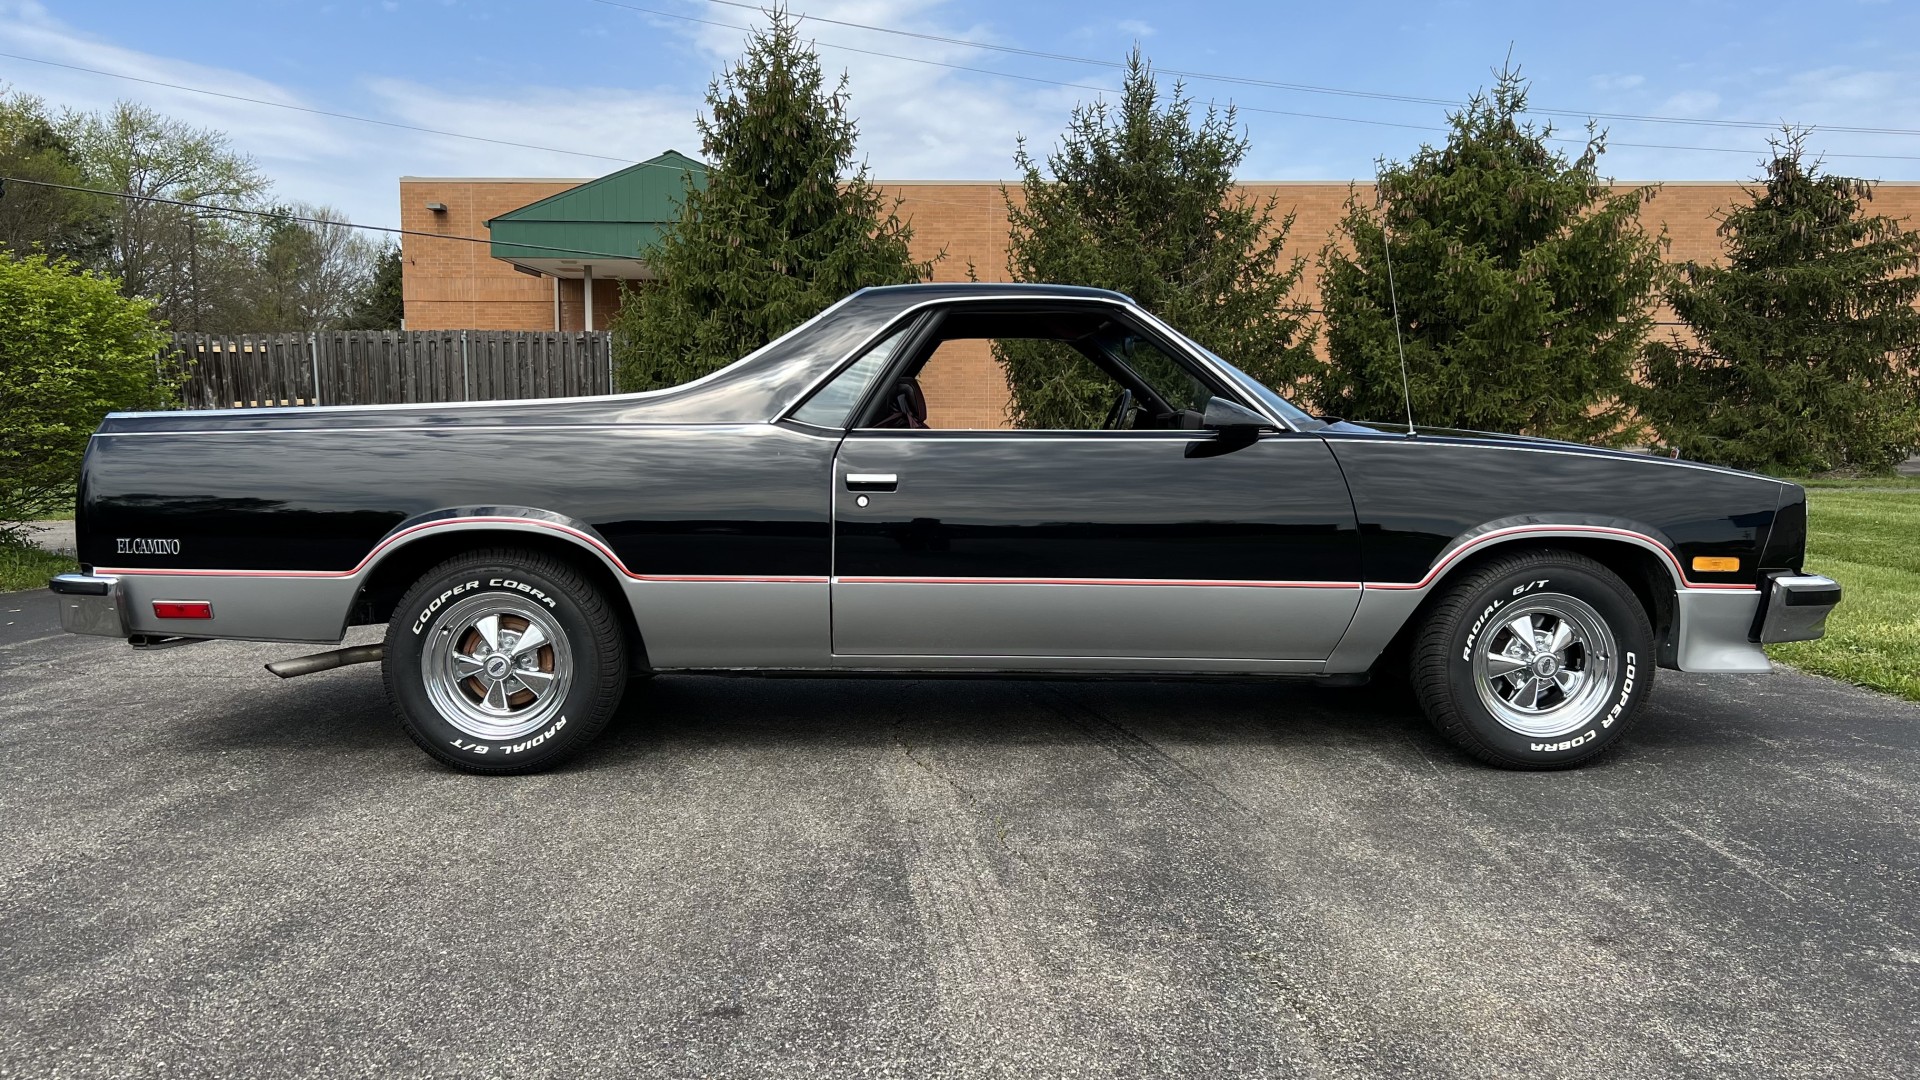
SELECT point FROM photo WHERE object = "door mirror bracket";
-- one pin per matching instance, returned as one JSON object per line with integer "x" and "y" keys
{"x": 1234, "y": 426}
{"x": 1233, "y": 420}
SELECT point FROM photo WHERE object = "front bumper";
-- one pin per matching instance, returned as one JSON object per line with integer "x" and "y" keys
{"x": 1723, "y": 630}
{"x": 1795, "y": 608}
{"x": 91, "y": 604}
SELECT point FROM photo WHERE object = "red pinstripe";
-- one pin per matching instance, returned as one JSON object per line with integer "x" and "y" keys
{"x": 821, "y": 579}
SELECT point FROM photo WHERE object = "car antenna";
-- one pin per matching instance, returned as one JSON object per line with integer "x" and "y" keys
{"x": 1393, "y": 295}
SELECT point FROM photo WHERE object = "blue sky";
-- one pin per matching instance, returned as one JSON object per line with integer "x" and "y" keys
{"x": 597, "y": 78}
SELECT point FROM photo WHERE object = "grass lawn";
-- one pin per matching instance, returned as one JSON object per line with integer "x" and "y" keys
{"x": 29, "y": 567}
{"x": 1877, "y": 483}
{"x": 1868, "y": 541}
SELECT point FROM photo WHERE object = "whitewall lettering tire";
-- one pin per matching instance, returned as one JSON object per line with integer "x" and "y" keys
{"x": 504, "y": 661}
{"x": 1537, "y": 660}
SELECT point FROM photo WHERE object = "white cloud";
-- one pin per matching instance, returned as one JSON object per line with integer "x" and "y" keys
{"x": 1138, "y": 28}
{"x": 1606, "y": 83}
{"x": 917, "y": 120}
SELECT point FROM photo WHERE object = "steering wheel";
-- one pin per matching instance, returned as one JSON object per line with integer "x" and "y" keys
{"x": 1121, "y": 411}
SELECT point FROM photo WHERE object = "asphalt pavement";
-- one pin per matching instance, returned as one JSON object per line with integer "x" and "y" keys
{"x": 211, "y": 872}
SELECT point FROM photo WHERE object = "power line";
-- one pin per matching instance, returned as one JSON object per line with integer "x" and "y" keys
{"x": 1300, "y": 87}
{"x": 305, "y": 220}
{"x": 867, "y": 52}
{"x": 1236, "y": 105}
{"x": 306, "y": 109}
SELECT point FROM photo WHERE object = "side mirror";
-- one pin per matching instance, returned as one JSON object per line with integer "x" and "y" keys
{"x": 1233, "y": 421}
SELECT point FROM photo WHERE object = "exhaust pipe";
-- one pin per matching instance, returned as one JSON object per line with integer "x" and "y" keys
{"x": 327, "y": 661}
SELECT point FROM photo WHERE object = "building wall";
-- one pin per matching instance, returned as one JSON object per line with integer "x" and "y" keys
{"x": 451, "y": 284}
{"x": 458, "y": 285}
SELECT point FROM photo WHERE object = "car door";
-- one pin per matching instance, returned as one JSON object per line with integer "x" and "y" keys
{"x": 1089, "y": 548}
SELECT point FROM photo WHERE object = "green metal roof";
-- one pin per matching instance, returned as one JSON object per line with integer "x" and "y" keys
{"x": 617, "y": 217}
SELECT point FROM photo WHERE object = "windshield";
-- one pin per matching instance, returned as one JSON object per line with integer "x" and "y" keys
{"x": 1286, "y": 409}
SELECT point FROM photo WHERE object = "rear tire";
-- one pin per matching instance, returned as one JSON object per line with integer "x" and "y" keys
{"x": 504, "y": 661}
{"x": 1537, "y": 660}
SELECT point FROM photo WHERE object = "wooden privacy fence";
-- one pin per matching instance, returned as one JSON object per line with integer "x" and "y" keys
{"x": 388, "y": 367}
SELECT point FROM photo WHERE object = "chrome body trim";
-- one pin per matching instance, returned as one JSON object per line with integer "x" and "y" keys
{"x": 1117, "y": 665}
{"x": 91, "y": 604}
{"x": 1494, "y": 441}
{"x": 1797, "y": 607}
{"x": 1143, "y": 315}
{"x": 640, "y": 395}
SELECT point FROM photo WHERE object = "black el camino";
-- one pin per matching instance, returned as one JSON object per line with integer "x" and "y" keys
{"x": 795, "y": 513}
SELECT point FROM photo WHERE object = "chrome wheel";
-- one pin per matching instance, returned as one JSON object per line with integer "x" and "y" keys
{"x": 496, "y": 667}
{"x": 1546, "y": 669}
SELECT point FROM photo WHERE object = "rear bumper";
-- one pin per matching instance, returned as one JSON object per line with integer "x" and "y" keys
{"x": 1796, "y": 607}
{"x": 91, "y": 604}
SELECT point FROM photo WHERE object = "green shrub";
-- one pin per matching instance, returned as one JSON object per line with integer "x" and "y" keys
{"x": 72, "y": 349}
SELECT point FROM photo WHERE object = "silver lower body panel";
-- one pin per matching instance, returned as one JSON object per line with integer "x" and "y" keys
{"x": 732, "y": 624}
{"x": 1712, "y": 632}
{"x": 1147, "y": 623}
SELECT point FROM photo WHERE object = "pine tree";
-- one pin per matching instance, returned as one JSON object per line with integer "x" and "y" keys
{"x": 380, "y": 305}
{"x": 1805, "y": 350}
{"x": 1524, "y": 284}
{"x": 785, "y": 226}
{"x": 1141, "y": 199}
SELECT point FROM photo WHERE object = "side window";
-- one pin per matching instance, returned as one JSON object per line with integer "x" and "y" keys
{"x": 1052, "y": 386}
{"x": 965, "y": 387}
{"x": 1170, "y": 379}
{"x": 984, "y": 367}
{"x": 830, "y": 405}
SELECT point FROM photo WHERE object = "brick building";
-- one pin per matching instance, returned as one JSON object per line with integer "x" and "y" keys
{"x": 553, "y": 255}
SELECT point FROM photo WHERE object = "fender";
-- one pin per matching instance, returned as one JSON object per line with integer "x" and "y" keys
{"x": 493, "y": 519}
{"x": 1537, "y": 526}
{"x": 1386, "y": 606}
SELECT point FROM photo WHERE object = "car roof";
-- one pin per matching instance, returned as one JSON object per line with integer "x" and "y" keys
{"x": 962, "y": 290}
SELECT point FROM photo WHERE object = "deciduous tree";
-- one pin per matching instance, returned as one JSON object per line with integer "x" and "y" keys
{"x": 69, "y": 224}
{"x": 194, "y": 265}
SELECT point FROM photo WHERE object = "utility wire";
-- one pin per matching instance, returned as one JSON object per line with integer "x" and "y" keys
{"x": 306, "y": 109}
{"x": 1235, "y": 105}
{"x": 4, "y": 180}
{"x": 305, "y": 220}
{"x": 1307, "y": 88}
{"x": 892, "y": 56}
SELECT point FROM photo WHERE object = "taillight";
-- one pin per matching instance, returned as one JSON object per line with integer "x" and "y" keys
{"x": 183, "y": 609}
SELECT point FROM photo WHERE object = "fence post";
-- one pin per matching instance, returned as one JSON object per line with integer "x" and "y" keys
{"x": 466, "y": 374}
{"x": 313, "y": 357}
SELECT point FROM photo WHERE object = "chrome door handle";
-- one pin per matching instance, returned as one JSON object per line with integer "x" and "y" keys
{"x": 872, "y": 481}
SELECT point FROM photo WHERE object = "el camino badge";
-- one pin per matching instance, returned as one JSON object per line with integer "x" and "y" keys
{"x": 145, "y": 545}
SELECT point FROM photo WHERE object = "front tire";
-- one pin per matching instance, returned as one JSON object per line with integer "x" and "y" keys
{"x": 1537, "y": 660}
{"x": 504, "y": 661}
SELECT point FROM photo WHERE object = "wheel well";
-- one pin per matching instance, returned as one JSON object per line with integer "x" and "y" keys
{"x": 393, "y": 575}
{"x": 1642, "y": 570}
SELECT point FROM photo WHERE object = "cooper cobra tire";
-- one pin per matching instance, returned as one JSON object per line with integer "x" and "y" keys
{"x": 1537, "y": 660}
{"x": 504, "y": 661}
